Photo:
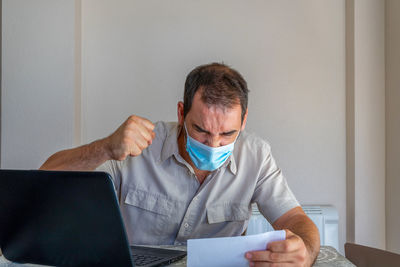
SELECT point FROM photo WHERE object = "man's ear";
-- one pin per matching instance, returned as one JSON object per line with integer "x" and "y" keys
{"x": 244, "y": 120}
{"x": 180, "y": 113}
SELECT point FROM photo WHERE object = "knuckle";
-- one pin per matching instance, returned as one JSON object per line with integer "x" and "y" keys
{"x": 286, "y": 246}
{"x": 136, "y": 146}
{"x": 144, "y": 143}
{"x": 132, "y": 121}
{"x": 302, "y": 256}
{"x": 131, "y": 124}
{"x": 142, "y": 146}
{"x": 147, "y": 136}
{"x": 274, "y": 256}
{"x": 135, "y": 151}
{"x": 132, "y": 118}
{"x": 254, "y": 256}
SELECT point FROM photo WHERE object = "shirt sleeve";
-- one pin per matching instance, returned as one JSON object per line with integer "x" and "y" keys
{"x": 272, "y": 194}
{"x": 113, "y": 168}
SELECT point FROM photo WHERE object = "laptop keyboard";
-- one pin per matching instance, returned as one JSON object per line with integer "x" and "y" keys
{"x": 140, "y": 259}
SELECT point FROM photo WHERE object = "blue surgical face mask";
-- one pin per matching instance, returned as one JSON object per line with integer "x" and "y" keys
{"x": 205, "y": 157}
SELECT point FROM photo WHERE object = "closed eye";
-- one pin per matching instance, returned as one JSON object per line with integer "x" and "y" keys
{"x": 229, "y": 133}
{"x": 200, "y": 130}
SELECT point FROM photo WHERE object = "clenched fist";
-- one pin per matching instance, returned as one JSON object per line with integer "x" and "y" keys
{"x": 130, "y": 139}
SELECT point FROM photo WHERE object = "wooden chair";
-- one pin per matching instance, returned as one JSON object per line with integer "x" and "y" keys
{"x": 363, "y": 256}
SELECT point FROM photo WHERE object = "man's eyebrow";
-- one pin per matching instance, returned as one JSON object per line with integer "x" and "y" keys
{"x": 205, "y": 131}
{"x": 230, "y": 132}
{"x": 200, "y": 129}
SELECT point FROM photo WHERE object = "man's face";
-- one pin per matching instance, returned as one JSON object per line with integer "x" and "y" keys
{"x": 212, "y": 125}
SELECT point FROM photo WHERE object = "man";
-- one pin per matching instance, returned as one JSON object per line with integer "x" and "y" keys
{"x": 197, "y": 178}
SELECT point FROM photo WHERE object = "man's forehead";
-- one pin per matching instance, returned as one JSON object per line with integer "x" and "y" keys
{"x": 199, "y": 105}
{"x": 216, "y": 119}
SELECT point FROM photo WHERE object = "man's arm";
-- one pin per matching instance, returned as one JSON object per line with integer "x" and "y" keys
{"x": 130, "y": 139}
{"x": 301, "y": 246}
{"x": 84, "y": 158}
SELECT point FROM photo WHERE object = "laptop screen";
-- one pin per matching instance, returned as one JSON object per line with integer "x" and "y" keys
{"x": 61, "y": 218}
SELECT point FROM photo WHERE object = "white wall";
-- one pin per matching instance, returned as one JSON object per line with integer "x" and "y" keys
{"x": 392, "y": 125}
{"x": 136, "y": 54}
{"x": 37, "y": 80}
{"x": 369, "y": 108}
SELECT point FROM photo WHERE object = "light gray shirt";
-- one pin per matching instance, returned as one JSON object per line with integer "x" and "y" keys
{"x": 162, "y": 202}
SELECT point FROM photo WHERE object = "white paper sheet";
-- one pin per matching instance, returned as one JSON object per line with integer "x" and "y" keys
{"x": 228, "y": 251}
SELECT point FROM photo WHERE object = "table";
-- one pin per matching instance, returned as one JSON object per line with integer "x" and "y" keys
{"x": 328, "y": 257}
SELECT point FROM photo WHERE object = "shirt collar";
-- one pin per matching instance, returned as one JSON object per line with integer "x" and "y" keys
{"x": 170, "y": 147}
{"x": 232, "y": 164}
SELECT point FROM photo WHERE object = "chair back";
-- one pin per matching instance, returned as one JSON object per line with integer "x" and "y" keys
{"x": 363, "y": 256}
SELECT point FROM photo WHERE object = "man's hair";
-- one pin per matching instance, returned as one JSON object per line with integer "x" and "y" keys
{"x": 219, "y": 84}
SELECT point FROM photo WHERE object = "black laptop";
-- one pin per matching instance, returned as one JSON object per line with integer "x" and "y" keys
{"x": 66, "y": 218}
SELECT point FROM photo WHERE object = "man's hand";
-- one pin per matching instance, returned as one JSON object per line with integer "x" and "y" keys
{"x": 130, "y": 139}
{"x": 289, "y": 252}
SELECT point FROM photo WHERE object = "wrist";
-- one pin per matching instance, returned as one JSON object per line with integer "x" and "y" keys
{"x": 102, "y": 149}
{"x": 312, "y": 254}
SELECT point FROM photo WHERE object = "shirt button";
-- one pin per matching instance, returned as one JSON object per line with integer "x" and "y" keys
{"x": 186, "y": 225}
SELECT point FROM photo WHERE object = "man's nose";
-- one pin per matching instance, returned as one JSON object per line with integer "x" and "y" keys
{"x": 214, "y": 142}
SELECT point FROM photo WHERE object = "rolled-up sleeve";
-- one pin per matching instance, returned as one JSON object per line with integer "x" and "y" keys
{"x": 272, "y": 194}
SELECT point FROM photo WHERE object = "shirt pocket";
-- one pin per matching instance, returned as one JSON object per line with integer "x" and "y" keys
{"x": 150, "y": 216}
{"x": 228, "y": 213}
{"x": 154, "y": 203}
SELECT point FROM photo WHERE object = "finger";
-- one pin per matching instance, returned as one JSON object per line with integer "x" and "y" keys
{"x": 140, "y": 141}
{"x": 146, "y": 133}
{"x": 136, "y": 130}
{"x": 268, "y": 264}
{"x": 149, "y": 136}
{"x": 134, "y": 150}
{"x": 285, "y": 246}
{"x": 146, "y": 123}
{"x": 153, "y": 135}
{"x": 269, "y": 256}
{"x": 139, "y": 120}
{"x": 134, "y": 138}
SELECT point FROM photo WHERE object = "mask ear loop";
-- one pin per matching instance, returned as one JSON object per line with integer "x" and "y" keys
{"x": 237, "y": 136}
{"x": 184, "y": 136}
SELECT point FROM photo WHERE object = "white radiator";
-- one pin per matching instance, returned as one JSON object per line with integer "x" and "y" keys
{"x": 325, "y": 218}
